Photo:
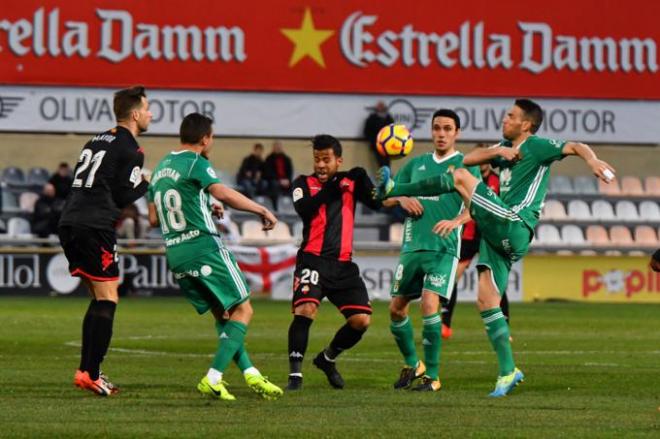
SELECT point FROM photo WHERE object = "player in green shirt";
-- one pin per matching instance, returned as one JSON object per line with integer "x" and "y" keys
{"x": 429, "y": 253}
{"x": 507, "y": 222}
{"x": 179, "y": 200}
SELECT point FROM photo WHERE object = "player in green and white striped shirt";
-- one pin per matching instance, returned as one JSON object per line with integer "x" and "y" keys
{"x": 507, "y": 221}
{"x": 179, "y": 194}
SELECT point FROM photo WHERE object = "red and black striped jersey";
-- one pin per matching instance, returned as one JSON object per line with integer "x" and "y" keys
{"x": 328, "y": 211}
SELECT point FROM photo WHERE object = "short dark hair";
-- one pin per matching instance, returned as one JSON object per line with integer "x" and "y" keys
{"x": 325, "y": 141}
{"x": 446, "y": 112}
{"x": 532, "y": 111}
{"x": 127, "y": 100}
{"x": 194, "y": 127}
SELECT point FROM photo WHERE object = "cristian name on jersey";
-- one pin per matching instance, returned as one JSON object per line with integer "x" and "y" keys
{"x": 179, "y": 189}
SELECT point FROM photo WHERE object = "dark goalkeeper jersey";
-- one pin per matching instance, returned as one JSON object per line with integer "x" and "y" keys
{"x": 107, "y": 178}
{"x": 328, "y": 211}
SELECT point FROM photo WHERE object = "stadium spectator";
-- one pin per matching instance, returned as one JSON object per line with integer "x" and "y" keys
{"x": 655, "y": 261}
{"x": 278, "y": 171}
{"x": 47, "y": 212}
{"x": 249, "y": 177}
{"x": 108, "y": 178}
{"x": 379, "y": 118}
{"x": 325, "y": 201}
{"x": 130, "y": 225}
{"x": 62, "y": 180}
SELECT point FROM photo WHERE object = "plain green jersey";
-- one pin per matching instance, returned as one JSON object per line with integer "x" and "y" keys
{"x": 523, "y": 184}
{"x": 417, "y": 232}
{"x": 179, "y": 190}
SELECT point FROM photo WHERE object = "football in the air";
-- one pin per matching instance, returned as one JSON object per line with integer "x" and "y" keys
{"x": 394, "y": 141}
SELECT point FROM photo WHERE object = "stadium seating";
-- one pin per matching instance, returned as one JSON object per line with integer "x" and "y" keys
{"x": 280, "y": 232}
{"x": 585, "y": 185}
{"x": 652, "y": 185}
{"x": 620, "y": 235}
{"x": 366, "y": 234}
{"x": 631, "y": 186}
{"x": 561, "y": 184}
{"x": 554, "y": 210}
{"x": 579, "y": 210}
{"x": 264, "y": 201}
{"x": 602, "y": 211}
{"x": 626, "y": 211}
{"x": 396, "y": 233}
{"x": 27, "y": 200}
{"x": 285, "y": 205}
{"x": 649, "y": 211}
{"x": 18, "y": 228}
{"x": 611, "y": 189}
{"x": 547, "y": 234}
{"x": 13, "y": 176}
{"x": 38, "y": 176}
{"x": 571, "y": 235}
{"x": 645, "y": 236}
{"x": 9, "y": 202}
{"x": 597, "y": 236}
{"x": 252, "y": 229}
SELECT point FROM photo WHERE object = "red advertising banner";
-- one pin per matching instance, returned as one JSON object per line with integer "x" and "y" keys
{"x": 564, "y": 48}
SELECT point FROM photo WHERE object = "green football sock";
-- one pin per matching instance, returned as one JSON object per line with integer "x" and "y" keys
{"x": 230, "y": 341}
{"x": 432, "y": 343}
{"x": 431, "y": 186}
{"x": 403, "y": 335}
{"x": 498, "y": 332}
{"x": 241, "y": 357}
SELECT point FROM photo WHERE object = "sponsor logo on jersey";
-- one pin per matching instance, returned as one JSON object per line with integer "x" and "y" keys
{"x": 437, "y": 280}
{"x": 211, "y": 172}
{"x": 422, "y": 168}
{"x": 206, "y": 270}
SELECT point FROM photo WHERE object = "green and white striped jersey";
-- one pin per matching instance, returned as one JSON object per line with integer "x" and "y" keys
{"x": 179, "y": 189}
{"x": 524, "y": 184}
{"x": 417, "y": 232}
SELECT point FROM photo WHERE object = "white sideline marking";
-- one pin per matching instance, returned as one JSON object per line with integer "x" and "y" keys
{"x": 360, "y": 358}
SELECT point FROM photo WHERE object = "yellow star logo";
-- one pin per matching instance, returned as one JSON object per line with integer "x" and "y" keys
{"x": 307, "y": 40}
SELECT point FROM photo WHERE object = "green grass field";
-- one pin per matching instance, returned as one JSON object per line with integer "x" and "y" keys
{"x": 592, "y": 370}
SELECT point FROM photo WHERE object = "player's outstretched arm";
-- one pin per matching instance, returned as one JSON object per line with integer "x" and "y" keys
{"x": 239, "y": 201}
{"x": 600, "y": 168}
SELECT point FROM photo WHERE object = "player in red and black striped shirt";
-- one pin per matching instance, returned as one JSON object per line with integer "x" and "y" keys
{"x": 326, "y": 201}
{"x": 469, "y": 248}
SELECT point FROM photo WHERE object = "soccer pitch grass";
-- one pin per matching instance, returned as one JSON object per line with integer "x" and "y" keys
{"x": 592, "y": 370}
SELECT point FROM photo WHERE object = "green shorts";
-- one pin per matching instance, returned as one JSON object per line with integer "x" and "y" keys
{"x": 212, "y": 280}
{"x": 424, "y": 270}
{"x": 504, "y": 236}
